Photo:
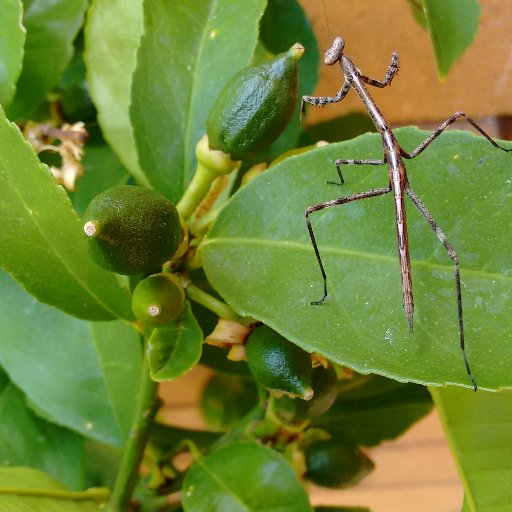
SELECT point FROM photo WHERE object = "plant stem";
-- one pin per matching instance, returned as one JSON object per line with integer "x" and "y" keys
{"x": 147, "y": 407}
{"x": 221, "y": 309}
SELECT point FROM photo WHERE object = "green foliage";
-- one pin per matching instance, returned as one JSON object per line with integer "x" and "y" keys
{"x": 12, "y": 41}
{"x": 479, "y": 430}
{"x": 452, "y": 26}
{"x": 78, "y": 374}
{"x": 362, "y": 323}
{"x": 212, "y": 485}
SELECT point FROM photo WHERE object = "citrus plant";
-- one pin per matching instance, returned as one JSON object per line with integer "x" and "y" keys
{"x": 154, "y": 178}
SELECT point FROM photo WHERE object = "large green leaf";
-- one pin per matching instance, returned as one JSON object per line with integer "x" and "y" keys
{"x": 112, "y": 36}
{"x": 42, "y": 243}
{"x": 370, "y": 409}
{"x": 26, "y": 440}
{"x": 452, "y": 25}
{"x": 12, "y": 41}
{"x": 479, "y": 430}
{"x": 243, "y": 477}
{"x": 82, "y": 375}
{"x": 51, "y": 28}
{"x": 188, "y": 52}
{"x": 259, "y": 257}
{"x": 25, "y": 489}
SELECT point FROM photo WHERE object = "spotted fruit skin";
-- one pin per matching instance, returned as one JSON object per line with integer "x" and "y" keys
{"x": 278, "y": 364}
{"x": 132, "y": 230}
{"x": 158, "y": 299}
{"x": 255, "y": 107}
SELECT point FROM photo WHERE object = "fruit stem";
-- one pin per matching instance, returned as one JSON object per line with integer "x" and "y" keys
{"x": 221, "y": 309}
{"x": 147, "y": 407}
{"x": 210, "y": 165}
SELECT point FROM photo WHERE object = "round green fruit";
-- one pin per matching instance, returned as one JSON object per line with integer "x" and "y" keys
{"x": 278, "y": 364}
{"x": 332, "y": 464}
{"x": 325, "y": 387}
{"x": 131, "y": 230}
{"x": 255, "y": 106}
{"x": 158, "y": 299}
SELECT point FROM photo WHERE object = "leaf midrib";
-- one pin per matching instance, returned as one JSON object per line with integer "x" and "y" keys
{"x": 346, "y": 252}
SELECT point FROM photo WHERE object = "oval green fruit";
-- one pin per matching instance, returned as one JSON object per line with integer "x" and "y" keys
{"x": 333, "y": 464}
{"x": 255, "y": 106}
{"x": 131, "y": 230}
{"x": 158, "y": 299}
{"x": 278, "y": 364}
{"x": 325, "y": 387}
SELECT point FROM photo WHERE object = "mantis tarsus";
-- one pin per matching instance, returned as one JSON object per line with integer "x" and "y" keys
{"x": 398, "y": 182}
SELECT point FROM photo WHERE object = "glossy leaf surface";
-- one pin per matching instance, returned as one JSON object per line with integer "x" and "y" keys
{"x": 51, "y": 29}
{"x": 452, "y": 25}
{"x": 12, "y": 41}
{"x": 175, "y": 348}
{"x": 42, "y": 242}
{"x": 255, "y": 477}
{"x": 259, "y": 258}
{"x": 26, "y": 440}
{"x": 112, "y": 36}
{"x": 370, "y": 409}
{"x": 81, "y": 374}
{"x": 478, "y": 427}
{"x": 187, "y": 54}
{"x": 38, "y": 492}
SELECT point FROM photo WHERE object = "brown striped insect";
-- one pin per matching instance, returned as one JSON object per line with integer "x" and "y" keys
{"x": 394, "y": 156}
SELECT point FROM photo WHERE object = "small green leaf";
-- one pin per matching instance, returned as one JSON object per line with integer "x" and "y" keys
{"x": 226, "y": 399}
{"x": 175, "y": 348}
{"x": 30, "y": 490}
{"x": 51, "y": 29}
{"x": 370, "y": 409}
{"x": 187, "y": 54}
{"x": 478, "y": 427}
{"x": 259, "y": 257}
{"x": 243, "y": 477}
{"x": 26, "y": 440}
{"x": 12, "y": 41}
{"x": 452, "y": 25}
{"x": 42, "y": 243}
{"x": 93, "y": 366}
{"x": 112, "y": 36}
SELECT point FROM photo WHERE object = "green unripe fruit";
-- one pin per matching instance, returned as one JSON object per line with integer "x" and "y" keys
{"x": 278, "y": 364}
{"x": 325, "y": 387}
{"x": 131, "y": 230}
{"x": 255, "y": 106}
{"x": 331, "y": 464}
{"x": 158, "y": 299}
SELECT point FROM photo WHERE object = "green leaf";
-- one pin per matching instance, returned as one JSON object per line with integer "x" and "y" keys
{"x": 259, "y": 258}
{"x": 284, "y": 24}
{"x": 112, "y": 36}
{"x": 187, "y": 54}
{"x": 418, "y": 12}
{"x": 478, "y": 427}
{"x": 51, "y": 28}
{"x": 26, "y": 440}
{"x": 42, "y": 243}
{"x": 452, "y": 25}
{"x": 81, "y": 374}
{"x": 175, "y": 348}
{"x": 12, "y": 41}
{"x": 370, "y": 409}
{"x": 30, "y": 490}
{"x": 243, "y": 477}
{"x": 226, "y": 399}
